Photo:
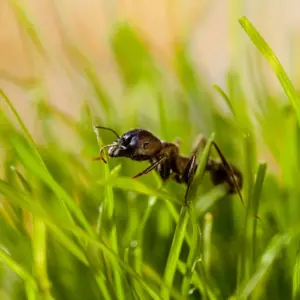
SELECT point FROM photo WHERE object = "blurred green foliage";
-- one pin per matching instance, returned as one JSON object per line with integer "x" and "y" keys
{"x": 72, "y": 228}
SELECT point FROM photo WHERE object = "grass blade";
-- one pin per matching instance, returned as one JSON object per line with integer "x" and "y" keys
{"x": 260, "y": 176}
{"x": 30, "y": 283}
{"x": 225, "y": 97}
{"x": 274, "y": 63}
{"x": 182, "y": 223}
{"x": 193, "y": 257}
{"x": 296, "y": 277}
{"x": 267, "y": 259}
{"x": 175, "y": 251}
{"x": 108, "y": 207}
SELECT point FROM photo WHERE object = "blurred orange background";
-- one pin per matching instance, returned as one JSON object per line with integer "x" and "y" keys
{"x": 215, "y": 38}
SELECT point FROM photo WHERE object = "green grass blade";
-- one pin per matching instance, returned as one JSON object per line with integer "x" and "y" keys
{"x": 296, "y": 277}
{"x": 35, "y": 168}
{"x": 175, "y": 251}
{"x": 23, "y": 126}
{"x": 193, "y": 257}
{"x": 209, "y": 199}
{"x": 182, "y": 223}
{"x": 207, "y": 243}
{"x": 225, "y": 97}
{"x": 39, "y": 249}
{"x": 109, "y": 211}
{"x": 273, "y": 250}
{"x": 30, "y": 283}
{"x": 257, "y": 189}
{"x": 244, "y": 263}
{"x": 129, "y": 184}
{"x": 274, "y": 62}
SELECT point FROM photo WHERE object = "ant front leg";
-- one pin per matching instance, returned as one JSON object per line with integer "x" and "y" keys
{"x": 150, "y": 168}
{"x": 191, "y": 167}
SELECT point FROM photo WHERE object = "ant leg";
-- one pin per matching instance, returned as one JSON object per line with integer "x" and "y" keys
{"x": 191, "y": 167}
{"x": 150, "y": 168}
{"x": 229, "y": 170}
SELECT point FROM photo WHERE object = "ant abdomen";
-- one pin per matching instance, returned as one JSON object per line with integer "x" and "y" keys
{"x": 219, "y": 175}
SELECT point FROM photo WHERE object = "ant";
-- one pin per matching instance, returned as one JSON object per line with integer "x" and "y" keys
{"x": 164, "y": 157}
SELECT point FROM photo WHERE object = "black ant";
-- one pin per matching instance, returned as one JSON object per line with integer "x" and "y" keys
{"x": 164, "y": 157}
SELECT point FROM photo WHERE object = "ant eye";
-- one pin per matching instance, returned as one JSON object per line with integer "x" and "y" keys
{"x": 126, "y": 140}
{"x": 146, "y": 145}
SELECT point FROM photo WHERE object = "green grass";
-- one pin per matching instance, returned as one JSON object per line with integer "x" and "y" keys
{"x": 73, "y": 228}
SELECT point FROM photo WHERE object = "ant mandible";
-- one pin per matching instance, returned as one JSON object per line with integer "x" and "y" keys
{"x": 165, "y": 158}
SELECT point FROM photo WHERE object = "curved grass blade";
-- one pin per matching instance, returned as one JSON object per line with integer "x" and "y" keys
{"x": 225, "y": 97}
{"x": 274, "y": 63}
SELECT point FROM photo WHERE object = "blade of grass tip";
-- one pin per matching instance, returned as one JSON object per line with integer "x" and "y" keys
{"x": 193, "y": 256}
{"x": 108, "y": 207}
{"x": 296, "y": 276}
{"x": 23, "y": 181}
{"x": 225, "y": 97}
{"x": 39, "y": 249}
{"x": 258, "y": 184}
{"x": 207, "y": 230}
{"x": 30, "y": 283}
{"x": 273, "y": 250}
{"x": 274, "y": 62}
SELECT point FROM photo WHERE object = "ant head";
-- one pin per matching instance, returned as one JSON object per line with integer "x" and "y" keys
{"x": 137, "y": 144}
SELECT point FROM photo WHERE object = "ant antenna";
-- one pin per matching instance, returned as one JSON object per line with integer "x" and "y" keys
{"x": 106, "y": 128}
{"x": 229, "y": 171}
{"x": 100, "y": 157}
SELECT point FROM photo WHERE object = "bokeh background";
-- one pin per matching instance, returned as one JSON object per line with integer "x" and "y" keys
{"x": 214, "y": 39}
{"x": 68, "y": 65}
